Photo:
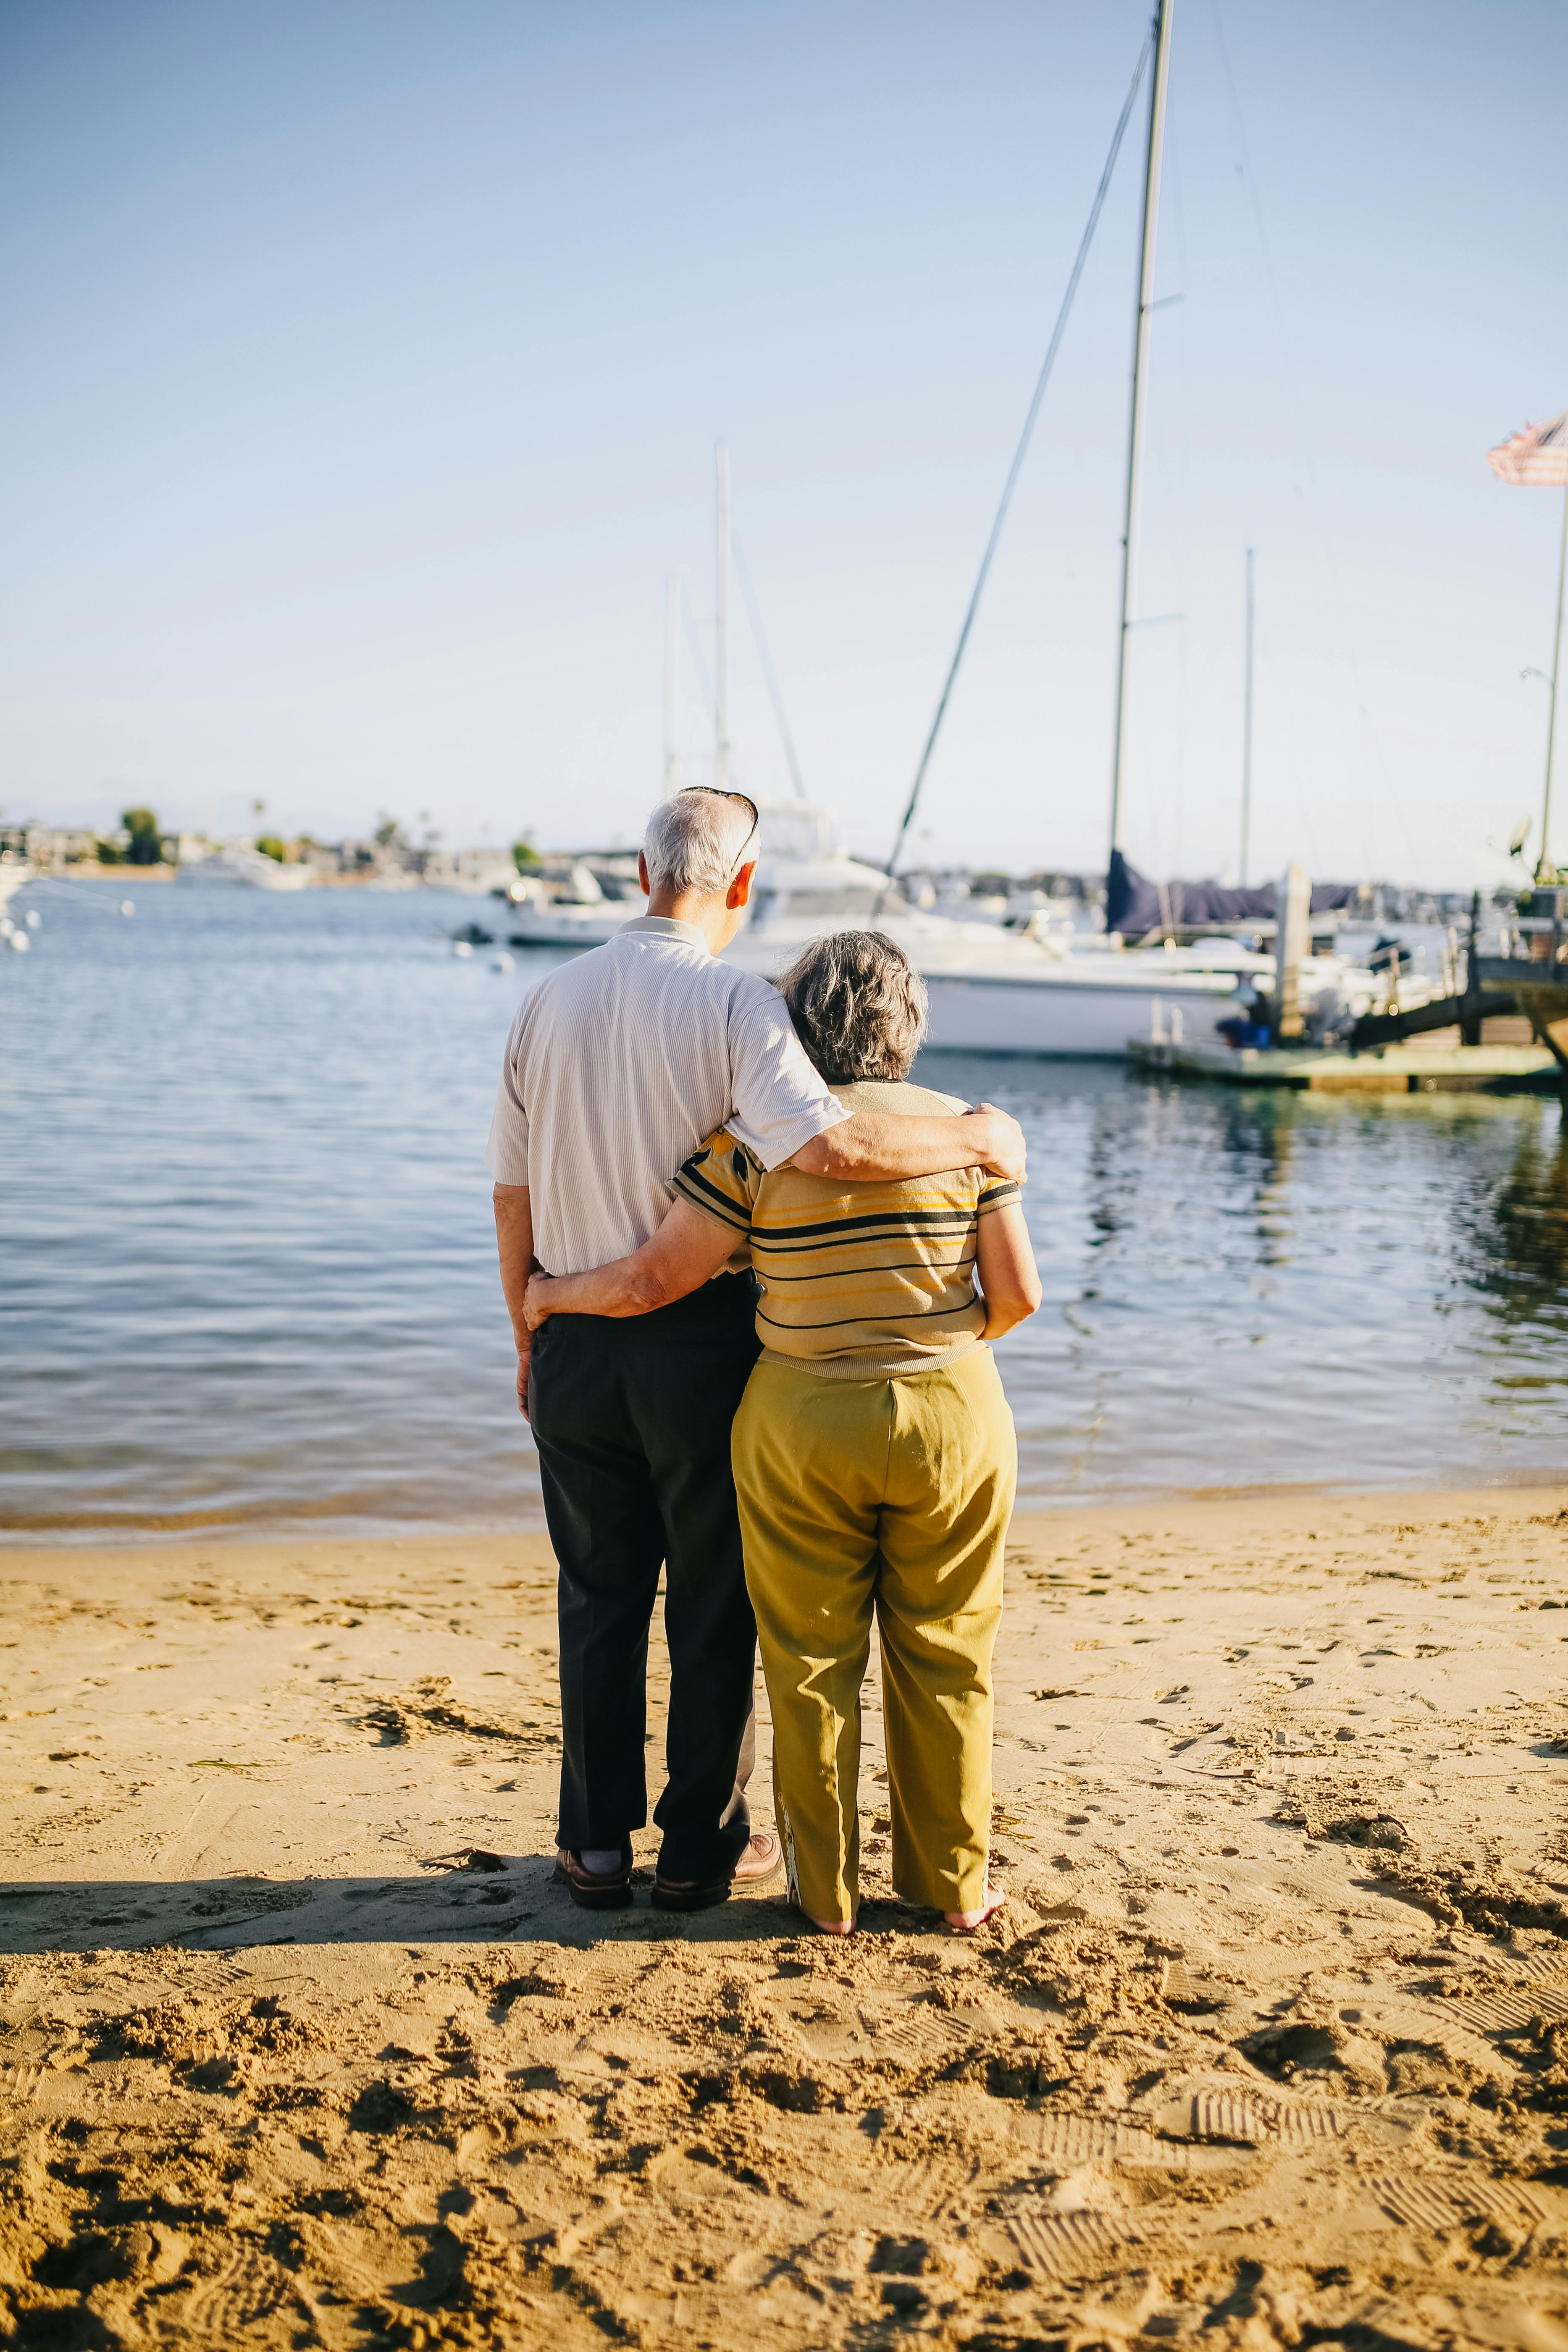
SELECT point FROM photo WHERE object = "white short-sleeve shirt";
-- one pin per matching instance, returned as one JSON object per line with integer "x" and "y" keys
{"x": 618, "y": 1064}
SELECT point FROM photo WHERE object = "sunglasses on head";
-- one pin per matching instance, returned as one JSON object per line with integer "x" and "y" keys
{"x": 724, "y": 794}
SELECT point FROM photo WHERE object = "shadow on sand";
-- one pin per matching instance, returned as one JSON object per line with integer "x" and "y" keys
{"x": 493, "y": 1898}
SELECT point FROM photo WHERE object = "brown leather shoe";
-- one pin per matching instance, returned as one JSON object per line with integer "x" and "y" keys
{"x": 762, "y": 1858}
{"x": 594, "y": 1890}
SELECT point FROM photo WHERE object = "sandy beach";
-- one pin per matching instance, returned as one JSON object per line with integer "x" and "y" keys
{"x": 301, "y": 2046}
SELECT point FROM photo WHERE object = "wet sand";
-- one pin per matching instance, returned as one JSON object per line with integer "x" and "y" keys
{"x": 301, "y": 2046}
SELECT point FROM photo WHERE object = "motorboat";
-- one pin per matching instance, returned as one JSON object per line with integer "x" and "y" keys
{"x": 15, "y": 872}
{"x": 242, "y": 867}
{"x": 576, "y": 909}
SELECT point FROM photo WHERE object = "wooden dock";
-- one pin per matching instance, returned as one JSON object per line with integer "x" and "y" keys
{"x": 1391, "y": 1070}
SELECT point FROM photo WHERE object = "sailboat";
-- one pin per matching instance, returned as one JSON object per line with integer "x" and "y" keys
{"x": 1044, "y": 988}
{"x": 1050, "y": 990}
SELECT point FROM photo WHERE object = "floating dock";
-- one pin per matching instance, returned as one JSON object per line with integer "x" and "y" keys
{"x": 1391, "y": 1070}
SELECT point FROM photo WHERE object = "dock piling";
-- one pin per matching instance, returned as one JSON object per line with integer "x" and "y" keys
{"x": 1292, "y": 943}
{"x": 1470, "y": 1003}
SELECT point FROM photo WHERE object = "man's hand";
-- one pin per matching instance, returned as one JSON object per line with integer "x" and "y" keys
{"x": 514, "y": 1241}
{"x": 536, "y": 1306}
{"x": 999, "y": 1143}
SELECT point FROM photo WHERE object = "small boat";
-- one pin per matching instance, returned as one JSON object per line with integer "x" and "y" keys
{"x": 244, "y": 869}
{"x": 15, "y": 872}
{"x": 573, "y": 910}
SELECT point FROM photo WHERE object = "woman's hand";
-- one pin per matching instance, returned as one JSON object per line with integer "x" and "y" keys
{"x": 688, "y": 1248}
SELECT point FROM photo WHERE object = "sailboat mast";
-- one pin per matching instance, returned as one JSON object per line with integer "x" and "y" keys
{"x": 1247, "y": 729}
{"x": 722, "y": 626}
{"x": 1545, "y": 871}
{"x": 1139, "y": 396}
{"x": 672, "y": 679}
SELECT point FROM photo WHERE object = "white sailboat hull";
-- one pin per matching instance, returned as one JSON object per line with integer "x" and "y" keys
{"x": 991, "y": 993}
{"x": 1070, "y": 1013}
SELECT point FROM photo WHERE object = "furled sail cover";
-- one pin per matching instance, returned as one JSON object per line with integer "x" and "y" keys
{"x": 1134, "y": 904}
{"x": 1538, "y": 456}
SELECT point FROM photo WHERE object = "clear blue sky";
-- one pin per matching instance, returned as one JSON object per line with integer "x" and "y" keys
{"x": 362, "y": 366}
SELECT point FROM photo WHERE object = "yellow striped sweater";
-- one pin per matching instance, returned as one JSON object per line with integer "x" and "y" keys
{"x": 858, "y": 1281}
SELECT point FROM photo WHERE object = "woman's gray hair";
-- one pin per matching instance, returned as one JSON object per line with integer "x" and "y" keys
{"x": 693, "y": 841}
{"x": 858, "y": 1006}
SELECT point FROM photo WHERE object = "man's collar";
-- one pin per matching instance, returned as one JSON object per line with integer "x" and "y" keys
{"x": 665, "y": 926}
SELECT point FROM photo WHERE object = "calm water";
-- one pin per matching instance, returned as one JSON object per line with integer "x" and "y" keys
{"x": 246, "y": 1271}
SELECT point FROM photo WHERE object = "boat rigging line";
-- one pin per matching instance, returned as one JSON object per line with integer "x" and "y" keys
{"x": 1020, "y": 453}
{"x": 1131, "y": 513}
{"x": 760, "y": 638}
{"x": 693, "y": 635}
{"x": 694, "y": 646}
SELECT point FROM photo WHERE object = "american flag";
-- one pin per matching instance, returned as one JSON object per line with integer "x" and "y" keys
{"x": 1538, "y": 456}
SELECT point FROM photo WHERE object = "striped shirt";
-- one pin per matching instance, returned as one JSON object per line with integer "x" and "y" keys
{"x": 858, "y": 1281}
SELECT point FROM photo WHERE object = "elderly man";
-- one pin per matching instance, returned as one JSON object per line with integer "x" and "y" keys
{"x": 618, "y": 1066}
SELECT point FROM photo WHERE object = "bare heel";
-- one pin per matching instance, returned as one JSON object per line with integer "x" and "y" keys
{"x": 965, "y": 1923}
{"x": 825, "y": 1927}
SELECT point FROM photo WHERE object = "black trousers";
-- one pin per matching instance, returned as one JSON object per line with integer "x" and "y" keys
{"x": 631, "y": 1416}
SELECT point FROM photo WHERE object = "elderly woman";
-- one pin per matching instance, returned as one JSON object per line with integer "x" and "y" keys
{"x": 874, "y": 1453}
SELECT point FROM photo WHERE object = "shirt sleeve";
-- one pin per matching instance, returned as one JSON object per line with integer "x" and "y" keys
{"x": 721, "y": 1179}
{"x": 778, "y": 1101}
{"x": 506, "y": 1153}
{"x": 998, "y": 1192}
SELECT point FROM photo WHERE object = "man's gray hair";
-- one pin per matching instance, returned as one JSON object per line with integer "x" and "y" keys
{"x": 858, "y": 1006}
{"x": 694, "y": 841}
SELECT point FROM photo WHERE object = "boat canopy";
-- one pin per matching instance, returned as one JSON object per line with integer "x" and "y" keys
{"x": 1135, "y": 906}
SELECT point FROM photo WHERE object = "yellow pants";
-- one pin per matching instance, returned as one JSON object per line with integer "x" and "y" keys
{"x": 890, "y": 1495}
